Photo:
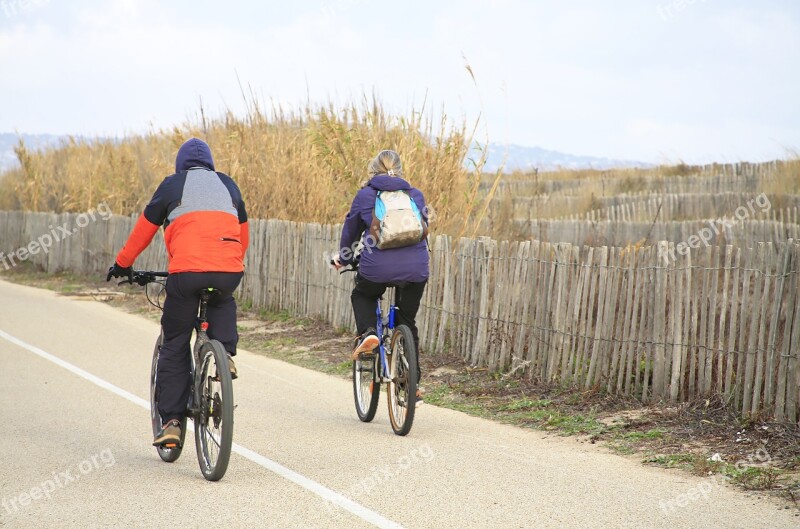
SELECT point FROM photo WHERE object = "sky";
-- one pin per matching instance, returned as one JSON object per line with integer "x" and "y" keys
{"x": 648, "y": 80}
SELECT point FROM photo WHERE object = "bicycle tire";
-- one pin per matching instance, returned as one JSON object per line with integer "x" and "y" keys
{"x": 366, "y": 387}
{"x": 214, "y": 400}
{"x": 169, "y": 455}
{"x": 402, "y": 387}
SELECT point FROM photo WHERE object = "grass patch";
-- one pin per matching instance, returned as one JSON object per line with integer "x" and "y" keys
{"x": 273, "y": 315}
{"x": 760, "y": 478}
{"x": 568, "y": 424}
{"x": 656, "y": 433}
{"x": 685, "y": 461}
{"x": 756, "y": 478}
{"x": 281, "y": 342}
{"x": 344, "y": 368}
{"x": 446, "y": 398}
{"x": 526, "y": 404}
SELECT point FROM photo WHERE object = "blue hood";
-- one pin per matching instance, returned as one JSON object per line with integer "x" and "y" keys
{"x": 384, "y": 182}
{"x": 194, "y": 153}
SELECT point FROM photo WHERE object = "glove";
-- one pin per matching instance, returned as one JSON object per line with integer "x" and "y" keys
{"x": 119, "y": 271}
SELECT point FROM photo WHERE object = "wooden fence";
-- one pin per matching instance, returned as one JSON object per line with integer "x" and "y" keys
{"x": 643, "y": 207}
{"x": 745, "y": 178}
{"x": 633, "y": 321}
{"x": 623, "y": 233}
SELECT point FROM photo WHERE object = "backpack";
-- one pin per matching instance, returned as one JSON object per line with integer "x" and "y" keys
{"x": 396, "y": 221}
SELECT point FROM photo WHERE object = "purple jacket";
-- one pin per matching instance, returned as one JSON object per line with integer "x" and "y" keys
{"x": 407, "y": 264}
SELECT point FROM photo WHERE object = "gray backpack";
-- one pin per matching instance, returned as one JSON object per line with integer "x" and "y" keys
{"x": 396, "y": 220}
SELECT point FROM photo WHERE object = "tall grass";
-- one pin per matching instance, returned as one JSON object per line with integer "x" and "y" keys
{"x": 302, "y": 165}
{"x": 306, "y": 164}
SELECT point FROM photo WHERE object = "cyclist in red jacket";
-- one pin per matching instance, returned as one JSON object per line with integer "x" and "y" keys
{"x": 206, "y": 234}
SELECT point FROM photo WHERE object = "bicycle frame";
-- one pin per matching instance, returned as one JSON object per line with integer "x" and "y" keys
{"x": 201, "y": 329}
{"x": 201, "y": 337}
{"x": 384, "y": 327}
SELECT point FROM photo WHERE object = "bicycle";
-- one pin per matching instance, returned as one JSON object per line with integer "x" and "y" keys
{"x": 394, "y": 362}
{"x": 210, "y": 404}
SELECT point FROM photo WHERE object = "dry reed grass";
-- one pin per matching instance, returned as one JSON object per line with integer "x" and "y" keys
{"x": 301, "y": 165}
{"x": 306, "y": 165}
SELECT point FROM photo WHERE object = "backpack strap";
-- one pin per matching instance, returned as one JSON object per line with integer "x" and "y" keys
{"x": 425, "y": 225}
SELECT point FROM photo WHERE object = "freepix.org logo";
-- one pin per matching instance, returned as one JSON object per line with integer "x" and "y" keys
{"x": 669, "y": 10}
{"x": 57, "y": 234}
{"x": 705, "y": 236}
{"x": 702, "y": 492}
{"x": 56, "y": 481}
{"x": 12, "y": 8}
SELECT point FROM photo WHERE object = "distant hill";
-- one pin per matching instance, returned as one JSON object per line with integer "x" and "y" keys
{"x": 8, "y": 141}
{"x": 527, "y": 158}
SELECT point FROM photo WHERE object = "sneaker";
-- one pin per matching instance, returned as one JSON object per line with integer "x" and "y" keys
{"x": 367, "y": 345}
{"x": 234, "y": 371}
{"x": 169, "y": 435}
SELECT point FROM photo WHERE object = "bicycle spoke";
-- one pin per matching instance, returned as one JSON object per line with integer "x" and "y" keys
{"x": 213, "y": 437}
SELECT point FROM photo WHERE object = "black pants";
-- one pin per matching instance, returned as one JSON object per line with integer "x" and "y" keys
{"x": 177, "y": 323}
{"x": 365, "y": 298}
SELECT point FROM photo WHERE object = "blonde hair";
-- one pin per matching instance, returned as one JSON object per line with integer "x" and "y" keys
{"x": 386, "y": 162}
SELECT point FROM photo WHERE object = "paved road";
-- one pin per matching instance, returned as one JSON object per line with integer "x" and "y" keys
{"x": 76, "y": 450}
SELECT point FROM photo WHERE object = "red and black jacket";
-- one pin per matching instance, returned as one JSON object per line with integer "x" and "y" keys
{"x": 204, "y": 219}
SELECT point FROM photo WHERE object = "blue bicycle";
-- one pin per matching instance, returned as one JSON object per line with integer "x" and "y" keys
{"x": 393, "y": 362}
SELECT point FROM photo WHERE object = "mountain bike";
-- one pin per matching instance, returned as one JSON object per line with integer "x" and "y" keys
{"x": 394, "y": 362}
{"x": 210, "y": 404}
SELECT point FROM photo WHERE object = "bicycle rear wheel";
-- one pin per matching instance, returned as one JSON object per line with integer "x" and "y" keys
{"x": 169, "y": 455}
{"x": 213, "y": 425}
{"x": 402, "y": 386}
{"x": 366, "y": 387}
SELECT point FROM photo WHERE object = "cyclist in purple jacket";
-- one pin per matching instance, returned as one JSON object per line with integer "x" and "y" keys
{"x": 407, "y": 267}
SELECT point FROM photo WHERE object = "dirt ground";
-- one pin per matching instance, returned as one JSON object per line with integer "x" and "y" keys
{"x": 704, "y": 437}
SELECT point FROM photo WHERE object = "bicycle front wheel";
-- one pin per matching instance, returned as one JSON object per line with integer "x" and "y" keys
{"x": 402, "y": 386}
{"x": 170, "y": 455}
{"x": 366, "y": 387}
{"x": 213, "y": 425}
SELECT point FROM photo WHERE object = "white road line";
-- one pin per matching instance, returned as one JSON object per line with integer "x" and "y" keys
{"x": 320, "y": 490}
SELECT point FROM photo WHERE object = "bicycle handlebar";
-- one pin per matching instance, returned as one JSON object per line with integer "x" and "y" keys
{"x": 142, "y": 277}
{"x": 352, "y": 267}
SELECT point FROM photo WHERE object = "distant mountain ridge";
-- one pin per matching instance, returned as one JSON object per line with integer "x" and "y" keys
{"x": 9, "y": 140}
{"x": 529, "y": 158}
{"x": 515, "y": 156}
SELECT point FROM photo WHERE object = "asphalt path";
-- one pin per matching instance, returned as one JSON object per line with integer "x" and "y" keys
{"x": 76, "y": 449}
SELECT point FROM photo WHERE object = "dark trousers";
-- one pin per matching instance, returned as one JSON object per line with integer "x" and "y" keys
{"x": 365, "y": 298}
{"x": 177, "y": 323}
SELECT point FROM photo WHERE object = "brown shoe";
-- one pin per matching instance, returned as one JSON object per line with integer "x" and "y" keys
{"x": 367, "y": 345}
{"x": 170, "y": 434}
{"x": 232, "y": 366}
